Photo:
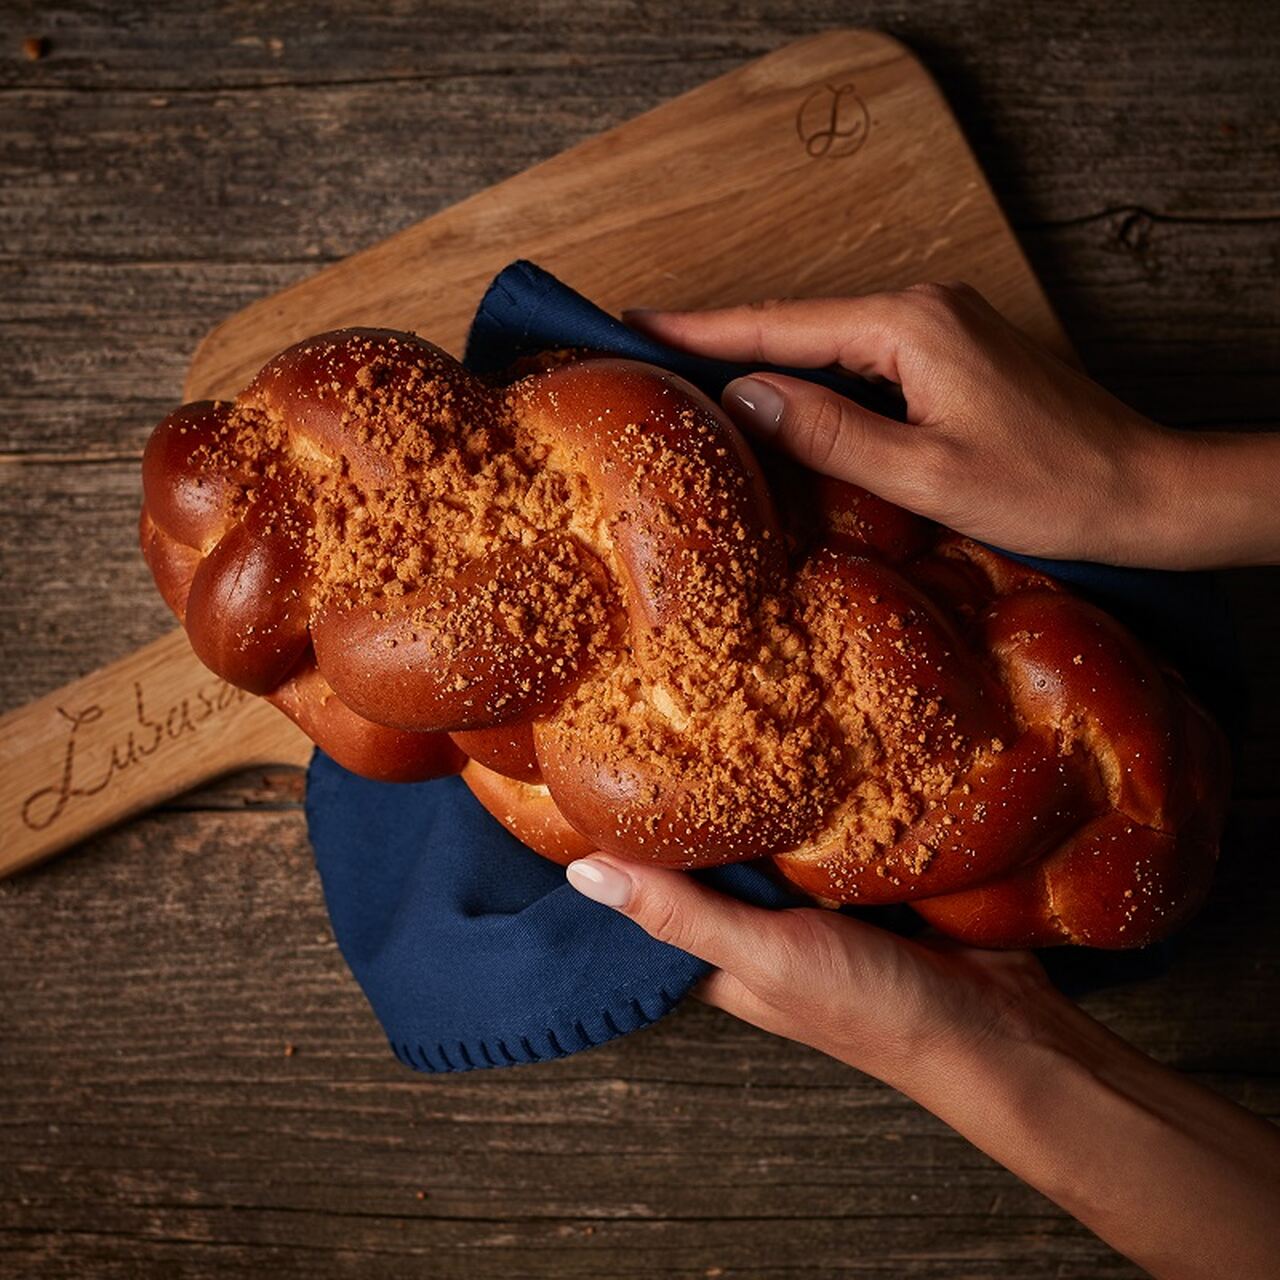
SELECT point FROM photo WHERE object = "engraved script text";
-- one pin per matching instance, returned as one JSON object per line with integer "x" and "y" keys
{"x": 144, "y": 738}
{"x": 832, "y": 121}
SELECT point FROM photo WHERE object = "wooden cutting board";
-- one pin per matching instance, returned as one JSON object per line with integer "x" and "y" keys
{"x": 831, "y": 166}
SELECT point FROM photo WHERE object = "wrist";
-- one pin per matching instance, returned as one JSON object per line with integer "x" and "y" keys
{"x": 1017, "y": 1094}
{"x": 1158, "y": 515}
{"x": 1203, "y": 499}
{"x": 1180, "y": 1180}
{"x": 1176, "y": 514}
{"x": 1012, "y": 1047}
{"x": 951, "y": 1035}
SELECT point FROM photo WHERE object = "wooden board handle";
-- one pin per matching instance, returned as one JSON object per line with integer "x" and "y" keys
{"x": 123, "y": 739}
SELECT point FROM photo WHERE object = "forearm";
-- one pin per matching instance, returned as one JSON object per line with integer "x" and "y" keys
{"x": 1211, "y": 499}
{"x": 1175, "y": 1177}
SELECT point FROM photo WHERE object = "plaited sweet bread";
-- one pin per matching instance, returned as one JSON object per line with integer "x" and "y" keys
{"x": 578, "y": 590}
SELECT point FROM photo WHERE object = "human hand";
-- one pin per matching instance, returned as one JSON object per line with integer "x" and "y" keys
{"x": 1005, "y": 442}
{"x": 899, "y": 1009}
{"x": 1176, "y": 1177}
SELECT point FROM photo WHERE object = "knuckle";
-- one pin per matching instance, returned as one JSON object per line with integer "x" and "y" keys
{"x": 805, "y": 951}
{"x": 763, "y": 314}
{"x": 940, "y": 301}
{"x": 661, "y": 917}
{"x": 929, "y": 292}
{"x": 765, "y": 306}
{"x": 826, "y": 432}
{"x": 933, "y": 468}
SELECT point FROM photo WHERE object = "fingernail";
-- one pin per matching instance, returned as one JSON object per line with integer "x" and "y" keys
{"x": 757, "y": 405}
{"x": 600, "y": 881}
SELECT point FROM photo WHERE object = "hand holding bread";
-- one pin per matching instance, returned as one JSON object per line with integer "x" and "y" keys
{"x": 580, "y": 590}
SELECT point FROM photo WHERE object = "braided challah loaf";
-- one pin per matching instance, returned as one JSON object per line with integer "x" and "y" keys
{"x": 578, "y": 591}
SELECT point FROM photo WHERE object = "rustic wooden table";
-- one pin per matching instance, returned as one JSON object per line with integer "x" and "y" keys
{"x": 190, "y": 1082}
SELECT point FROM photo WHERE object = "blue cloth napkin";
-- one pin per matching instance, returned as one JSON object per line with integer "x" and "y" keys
{"x": 471, "y": 949}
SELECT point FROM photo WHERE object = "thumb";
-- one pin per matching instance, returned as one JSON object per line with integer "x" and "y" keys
{"x": 817, "y": 427}
{"x": 676, "y": 909}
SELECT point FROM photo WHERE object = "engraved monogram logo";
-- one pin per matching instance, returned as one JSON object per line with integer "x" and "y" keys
{"x": 147, "y": 735}
{"x": 832, "y": 121}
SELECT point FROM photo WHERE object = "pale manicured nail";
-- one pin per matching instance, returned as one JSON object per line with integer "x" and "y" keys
{"x": 756, "y": 404}
{"x": 600, "y": 882}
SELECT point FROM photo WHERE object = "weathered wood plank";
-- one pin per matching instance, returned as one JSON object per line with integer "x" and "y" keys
{"x": 75, "y": 591}
{"x": 1183, "y": 321}
{"x": 163, "y": 166}
{"x": 1169, "y": 105}
{"x": 149, "y": 1110}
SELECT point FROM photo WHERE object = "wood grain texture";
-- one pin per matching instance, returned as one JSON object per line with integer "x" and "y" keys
{"x": 151, "y": 725}
{"x": 859, "y": 180}
{"x": 150, "y": 1122}
{"x": 829, "y": 166}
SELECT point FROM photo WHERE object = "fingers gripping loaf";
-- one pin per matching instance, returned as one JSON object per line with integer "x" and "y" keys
{"x": 579, "y": 591}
